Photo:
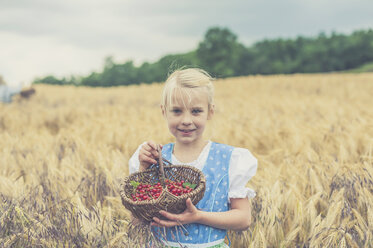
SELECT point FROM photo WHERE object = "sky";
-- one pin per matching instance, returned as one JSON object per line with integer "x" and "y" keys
{"x": 73, "y": 37}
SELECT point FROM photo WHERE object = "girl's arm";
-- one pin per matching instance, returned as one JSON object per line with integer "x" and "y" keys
{"x": 238, "y": 218}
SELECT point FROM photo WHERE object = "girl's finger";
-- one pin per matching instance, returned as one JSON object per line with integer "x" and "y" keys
{"x": 152, "y": 161}
{"x": 152, "y": 154}
{"x": 155, "y": 153}
{"x": 152, "y": 147}
{"x": 189, "y": 204}
{"x": 165, "y": 223}
{"x": 146, "y": 153}
{"x": 147, "y": 147}
{"x": 155, "y": 224}
{"x": 144, "y": 158}
{"x": 152, "y": 144}
{"x": 169, "y": 215}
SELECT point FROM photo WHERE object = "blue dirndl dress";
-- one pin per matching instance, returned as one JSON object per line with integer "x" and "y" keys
{"x": 215, "y": 199}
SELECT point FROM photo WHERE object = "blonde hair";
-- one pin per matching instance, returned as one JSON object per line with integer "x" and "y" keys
{"x": 186, "y": 80}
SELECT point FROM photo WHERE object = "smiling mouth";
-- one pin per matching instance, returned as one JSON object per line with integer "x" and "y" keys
{"x": 186, "y": 131}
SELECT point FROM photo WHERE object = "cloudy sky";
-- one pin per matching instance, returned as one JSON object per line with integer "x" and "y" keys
{"x": 72, "y": 37}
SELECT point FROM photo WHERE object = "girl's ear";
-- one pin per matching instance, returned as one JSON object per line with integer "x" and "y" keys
{"x": 211, "y": 112}
{"x": 163, "y": 111}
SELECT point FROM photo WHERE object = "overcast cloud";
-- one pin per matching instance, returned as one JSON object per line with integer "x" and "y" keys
{"x": 65, "y": 37}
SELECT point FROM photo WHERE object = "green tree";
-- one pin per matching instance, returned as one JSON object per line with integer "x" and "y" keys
{"x": 93, "y": 80}
{"x": 219, "y": 52}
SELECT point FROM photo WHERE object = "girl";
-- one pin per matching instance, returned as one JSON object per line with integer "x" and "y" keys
{"x": 187, "y": 105}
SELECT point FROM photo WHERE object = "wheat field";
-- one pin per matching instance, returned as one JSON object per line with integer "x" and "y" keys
{"x": 64, "y": 151}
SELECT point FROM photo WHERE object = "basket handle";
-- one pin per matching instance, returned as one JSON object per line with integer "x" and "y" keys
{"x": 161, "y": 178}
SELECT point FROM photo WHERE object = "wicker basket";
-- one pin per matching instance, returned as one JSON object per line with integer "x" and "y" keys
{"x": 146, "y": 210}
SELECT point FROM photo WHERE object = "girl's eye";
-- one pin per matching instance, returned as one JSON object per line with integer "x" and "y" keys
{"x": 196, "y": 111}
{"x": 176, "y": 111}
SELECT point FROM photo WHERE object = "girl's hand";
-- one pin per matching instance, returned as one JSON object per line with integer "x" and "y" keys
{"x": 148, "y": 155}
{"x": 190, "y": 215}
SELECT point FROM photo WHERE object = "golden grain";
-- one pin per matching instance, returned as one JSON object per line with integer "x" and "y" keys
{"x": 64, "y": 152}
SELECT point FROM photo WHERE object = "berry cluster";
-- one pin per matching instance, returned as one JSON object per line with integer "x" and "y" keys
{"x": 178, "y": 188}
{"x": 144, "y": 192}
{"x": 147, "y": 192}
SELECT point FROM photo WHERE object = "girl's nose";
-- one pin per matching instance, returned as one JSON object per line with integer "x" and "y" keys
{"x": 187, "y": 120}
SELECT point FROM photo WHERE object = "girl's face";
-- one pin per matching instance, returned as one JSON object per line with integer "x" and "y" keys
{"x": 187, "y": 116}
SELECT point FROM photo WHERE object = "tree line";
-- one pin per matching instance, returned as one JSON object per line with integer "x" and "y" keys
{"x": 222, "y": 55}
